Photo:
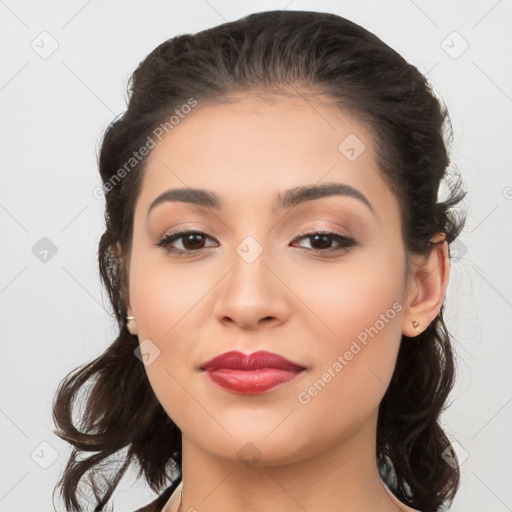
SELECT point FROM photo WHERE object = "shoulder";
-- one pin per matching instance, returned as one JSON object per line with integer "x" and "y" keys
{"x": 158, "y": 503}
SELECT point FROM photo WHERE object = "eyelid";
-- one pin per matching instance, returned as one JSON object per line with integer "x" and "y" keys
{"x": 323, "y": 229}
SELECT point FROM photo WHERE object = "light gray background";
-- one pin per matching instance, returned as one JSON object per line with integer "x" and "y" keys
{"x": 54, "y": 316}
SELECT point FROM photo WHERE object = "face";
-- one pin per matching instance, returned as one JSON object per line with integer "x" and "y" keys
{"x": 254, "y": 276}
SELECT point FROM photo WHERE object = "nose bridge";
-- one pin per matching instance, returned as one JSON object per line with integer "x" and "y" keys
{"x": 251, "y": 292}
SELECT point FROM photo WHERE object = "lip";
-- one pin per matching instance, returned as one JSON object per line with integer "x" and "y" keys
{"x": 251, "y": 374}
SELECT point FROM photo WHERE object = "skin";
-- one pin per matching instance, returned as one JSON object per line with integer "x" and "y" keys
{"x": 291, "y": 300}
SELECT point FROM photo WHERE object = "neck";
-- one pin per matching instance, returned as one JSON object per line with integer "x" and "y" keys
{"x": 341, "y": 478}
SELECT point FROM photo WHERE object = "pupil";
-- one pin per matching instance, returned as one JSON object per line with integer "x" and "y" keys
{"x": 324, "y": 238}
{"x": 193, "y": 236}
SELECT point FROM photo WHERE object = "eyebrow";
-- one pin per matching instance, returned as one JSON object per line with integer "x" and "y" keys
{"x": 290, "y": 198}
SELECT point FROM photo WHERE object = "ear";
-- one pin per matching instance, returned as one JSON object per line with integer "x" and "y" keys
{"x": 130, "y": 324}
{"x": 426, "y": 287}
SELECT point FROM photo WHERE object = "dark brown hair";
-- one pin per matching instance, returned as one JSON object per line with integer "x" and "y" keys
{"x": 311, "y": 53}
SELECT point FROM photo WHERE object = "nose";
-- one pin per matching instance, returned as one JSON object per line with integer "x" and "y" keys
{"x": 252, "y": 295}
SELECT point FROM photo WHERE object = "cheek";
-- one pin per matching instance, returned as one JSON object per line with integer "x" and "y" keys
{"x": 348, "y": 297}
{"x": 164, "y": 296}
{"x": 359, "y": 311}
{"x": 169, "y": 304}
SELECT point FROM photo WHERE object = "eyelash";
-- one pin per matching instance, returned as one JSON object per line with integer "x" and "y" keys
{"x": 345, "y": 242}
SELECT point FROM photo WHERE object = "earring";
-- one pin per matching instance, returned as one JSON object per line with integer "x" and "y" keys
{"x": 415, "y": 324}
{"x": 131, "y": 329}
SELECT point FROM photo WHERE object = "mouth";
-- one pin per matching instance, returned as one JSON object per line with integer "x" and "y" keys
{"x": 251, "y": 374}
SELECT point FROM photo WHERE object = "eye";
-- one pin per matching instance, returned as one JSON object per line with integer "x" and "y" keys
{"x": 193, "y": 241}
{"x": 323, "y": 239}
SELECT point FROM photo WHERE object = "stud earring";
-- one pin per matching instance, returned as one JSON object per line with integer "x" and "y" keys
{"x": 415, "y": 324}
{"x": 130, "y": 328}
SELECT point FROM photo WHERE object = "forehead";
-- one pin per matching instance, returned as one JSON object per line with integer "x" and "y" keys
{"x": 252, "y": 147}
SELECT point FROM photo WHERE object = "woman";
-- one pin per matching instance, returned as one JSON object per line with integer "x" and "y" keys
{"x": 277, "y": 258}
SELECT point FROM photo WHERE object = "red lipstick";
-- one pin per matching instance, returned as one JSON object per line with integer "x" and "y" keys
{"x": 250, "y": 374}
